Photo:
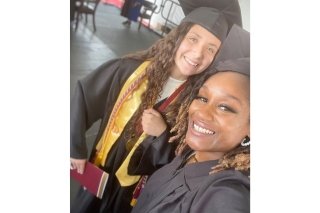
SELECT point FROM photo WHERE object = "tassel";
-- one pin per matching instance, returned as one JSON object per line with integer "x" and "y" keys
{"x": 138, "y": 189}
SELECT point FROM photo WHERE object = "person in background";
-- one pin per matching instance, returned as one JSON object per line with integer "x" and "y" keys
{"x": 212, "y": 167}
{"x": 131, "y": 10}
{"x": 130, "y": 95}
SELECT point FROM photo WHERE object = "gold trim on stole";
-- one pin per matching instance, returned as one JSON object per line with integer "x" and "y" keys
{"x": 127, "y": 103}
{"x": 122, "y": 174}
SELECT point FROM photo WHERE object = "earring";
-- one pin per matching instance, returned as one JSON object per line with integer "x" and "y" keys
{"x": 245, "y": 141}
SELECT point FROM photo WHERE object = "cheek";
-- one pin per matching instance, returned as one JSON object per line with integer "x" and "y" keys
{"x": 197, "y": 143}
{"x": 207, "y": 60}
{"x": 193, "y": 106}
{"x": 184, "y": 47}
{"x": 235, "y": 134}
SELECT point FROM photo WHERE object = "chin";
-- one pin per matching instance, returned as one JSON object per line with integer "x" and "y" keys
{"x": 193, "y": 144}
{"x": 192, "y": 72}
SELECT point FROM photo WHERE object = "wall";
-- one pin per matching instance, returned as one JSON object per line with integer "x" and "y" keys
{"x": 245, "y": 12}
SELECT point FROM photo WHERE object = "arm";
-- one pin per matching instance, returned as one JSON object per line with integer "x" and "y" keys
{"x": 93, "y": 100}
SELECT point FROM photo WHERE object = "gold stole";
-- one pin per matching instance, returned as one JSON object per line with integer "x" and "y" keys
{"x": 127, "y": 103}
{"x": 122, "y": 174}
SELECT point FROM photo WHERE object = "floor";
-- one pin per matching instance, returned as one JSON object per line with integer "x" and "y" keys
{"x": 90, "y": 49}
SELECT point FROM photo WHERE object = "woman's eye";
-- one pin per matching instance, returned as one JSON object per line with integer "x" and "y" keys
{"x": 212, "y": 50}
{"x": 226, "y": 108}
{"x": 192, "y": 39}
{"x": 202, "y": 99}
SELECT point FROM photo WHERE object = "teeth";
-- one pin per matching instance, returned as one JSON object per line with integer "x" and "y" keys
{"x": 190, "y": 62}
{"x": 202, "y": 130}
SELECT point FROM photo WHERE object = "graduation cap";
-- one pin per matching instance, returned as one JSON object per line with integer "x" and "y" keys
{"x": 216, "y": 24}
{"x": 230, "y": 8}
{"x": 234, "y": 53}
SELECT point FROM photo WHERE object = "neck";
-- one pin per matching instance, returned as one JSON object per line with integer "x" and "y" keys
{"x": 206, "y": 156}
{"x": 176, "y": 74}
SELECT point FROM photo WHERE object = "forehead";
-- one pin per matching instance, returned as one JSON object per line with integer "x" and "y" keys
{"x": 229, "y": 82}
{"x": 202, "y": 32}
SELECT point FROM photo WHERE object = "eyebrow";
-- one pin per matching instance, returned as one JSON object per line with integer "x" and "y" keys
{"x": 226, "y": 94}
{"x": 196, "y": 34}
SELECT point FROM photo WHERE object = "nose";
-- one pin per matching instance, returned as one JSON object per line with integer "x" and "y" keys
{"x": 206, "y": 113}
{"x": 198, "y": 51}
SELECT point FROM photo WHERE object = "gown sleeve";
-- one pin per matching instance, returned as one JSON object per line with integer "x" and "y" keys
{"x": 93, "y": 99}
{"x": 226, "y": 195}
{"x": 152, "y": 154}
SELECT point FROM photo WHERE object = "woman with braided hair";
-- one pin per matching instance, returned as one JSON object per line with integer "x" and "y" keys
{"x": 211, "y": 170}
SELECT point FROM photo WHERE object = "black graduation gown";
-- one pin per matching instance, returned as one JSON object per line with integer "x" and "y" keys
{"x": 94, "y": 99}
{"x": 175, "y": 188}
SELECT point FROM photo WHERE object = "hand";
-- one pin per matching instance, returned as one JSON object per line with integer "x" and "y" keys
{"x": 78, "y": 164}
{"x": 153, "y": 123}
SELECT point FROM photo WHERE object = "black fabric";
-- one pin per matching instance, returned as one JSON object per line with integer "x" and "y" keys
{"x": 230, "y": 8}
{"x": 241, "y": 65}
{"x": 94, "y": 98}
{"x": 191, "y": 189}
{"x": 234, "y": 53}
{"x": 152, "y": 154}
{"x": 216, "y": 24}
{"x": 236, "y": 45}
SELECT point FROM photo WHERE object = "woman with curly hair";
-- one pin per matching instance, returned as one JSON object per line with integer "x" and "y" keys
{"x": 211, "y": 170}
{"x": 128, "y": 95}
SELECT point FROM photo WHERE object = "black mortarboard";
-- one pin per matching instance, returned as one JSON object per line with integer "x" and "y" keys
{"x": 234, "y": 53}
{"x": 216, "y": 24}
{"x": 230, "y": 8}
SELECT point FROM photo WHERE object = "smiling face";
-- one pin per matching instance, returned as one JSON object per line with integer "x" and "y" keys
{"x": 195, "y": 53}
{"x": 219, "y": 115}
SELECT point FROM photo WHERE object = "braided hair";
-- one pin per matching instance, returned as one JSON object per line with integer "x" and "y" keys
{"x": 238, "y": 158}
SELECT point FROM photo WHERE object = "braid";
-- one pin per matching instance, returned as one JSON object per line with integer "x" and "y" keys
{"x": 181, "y": 126}
{"x": 178, "y": 112}
{"x": 238, "y": 159}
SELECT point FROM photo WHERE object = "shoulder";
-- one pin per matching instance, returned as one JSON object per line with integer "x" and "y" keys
{"x": 111, "y": 69}
{"x": 226, "y": 191}
{"x": 119, "y": 63}
{"x": 123, "y": 62}
{"x": 229, "y": 176}
{"x": 230, "y": 184}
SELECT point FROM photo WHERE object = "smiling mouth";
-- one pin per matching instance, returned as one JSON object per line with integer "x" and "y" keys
{"x": 202, "y": 130}
{"x": 191, "y": 62}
